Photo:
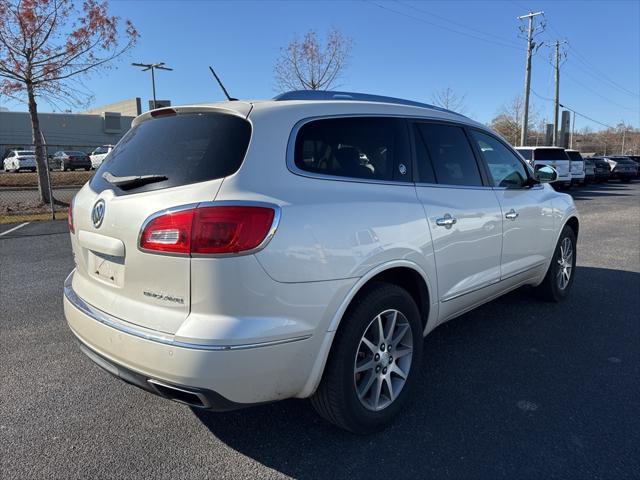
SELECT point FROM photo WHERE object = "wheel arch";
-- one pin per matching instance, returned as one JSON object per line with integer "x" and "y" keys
{"x": 573, "y": 223}
{"x": 403, "y": 273}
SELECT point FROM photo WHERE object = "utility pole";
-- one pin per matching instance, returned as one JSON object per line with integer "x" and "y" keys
{"x": 556, "y": 103}
{"x": 152, "y": 67}
{"x": 527, "y": 78}
{"x": 624, "y": 134}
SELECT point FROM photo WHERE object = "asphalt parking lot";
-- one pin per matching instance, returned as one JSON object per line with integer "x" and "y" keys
{"x": 514, "y": 389}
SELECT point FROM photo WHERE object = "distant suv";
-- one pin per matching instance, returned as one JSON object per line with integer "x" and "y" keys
{"x": 555, "y": 157}
{"x": 578, "y": 172}
{"x": 245, "y": 252}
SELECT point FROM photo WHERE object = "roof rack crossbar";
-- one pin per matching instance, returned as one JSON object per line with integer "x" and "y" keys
{"x": 353, "y": 96}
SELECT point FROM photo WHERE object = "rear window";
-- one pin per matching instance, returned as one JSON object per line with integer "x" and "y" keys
{"x": 575, "y": 156}
{"x": 550, "y": 154}
{"x": 186, "y": 149}
{"x": 361, "y": 147}
{"x": 26, "y": 152}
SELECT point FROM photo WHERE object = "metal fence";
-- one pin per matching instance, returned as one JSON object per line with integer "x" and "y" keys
{"x": 20, "y": 198}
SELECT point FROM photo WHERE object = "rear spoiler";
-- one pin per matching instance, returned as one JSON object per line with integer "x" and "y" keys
{"x": 238, "y": 108}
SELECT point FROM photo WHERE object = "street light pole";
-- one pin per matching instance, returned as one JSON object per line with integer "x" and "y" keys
{"x": 152, "y": 67}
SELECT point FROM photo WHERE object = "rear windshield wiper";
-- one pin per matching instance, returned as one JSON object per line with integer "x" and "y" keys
{"x": 132, "y": 181}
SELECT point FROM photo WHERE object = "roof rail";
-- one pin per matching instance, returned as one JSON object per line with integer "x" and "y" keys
{"x": 353, "y": 96}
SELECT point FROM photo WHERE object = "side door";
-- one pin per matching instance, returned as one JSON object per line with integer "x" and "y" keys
{"x": 462, "y": 211}
{"x": 527, "y": 213}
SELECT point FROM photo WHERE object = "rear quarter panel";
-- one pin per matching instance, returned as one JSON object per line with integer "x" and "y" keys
{"x": 330, "y": 229}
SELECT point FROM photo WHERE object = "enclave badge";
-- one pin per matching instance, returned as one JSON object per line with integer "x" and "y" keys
{"x": 97, "y": 214}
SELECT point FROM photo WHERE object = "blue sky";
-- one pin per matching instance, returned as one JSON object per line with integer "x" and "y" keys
{"x": 426, "y": 47}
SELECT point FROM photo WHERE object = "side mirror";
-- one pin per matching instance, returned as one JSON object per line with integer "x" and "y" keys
{"x": 546, "y": 174}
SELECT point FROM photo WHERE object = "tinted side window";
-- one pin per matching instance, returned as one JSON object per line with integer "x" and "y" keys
{"x": 425, "y": 172}
{"x": 451, "y": 156}
{"x": 505, "y": 168}
{"x": 365, "y": 147}
{"x": 526, "y": 154}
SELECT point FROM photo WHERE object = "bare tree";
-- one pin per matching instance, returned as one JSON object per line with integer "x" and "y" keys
{"x": 508, "y": 121}
{"x": 47, "y": 47}
{"x": 450, "y": 100}
{"x": 306, "y": 65}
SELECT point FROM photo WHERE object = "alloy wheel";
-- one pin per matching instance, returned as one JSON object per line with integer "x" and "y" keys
{"x": 383, "y": 360}
{"x": 565, "y": 263}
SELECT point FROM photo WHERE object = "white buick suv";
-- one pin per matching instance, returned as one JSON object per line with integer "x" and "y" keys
{"x": 245, "y": 252}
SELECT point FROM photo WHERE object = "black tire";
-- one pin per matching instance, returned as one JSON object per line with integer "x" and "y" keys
{"x": 549, "y": 289}
{"x": 625, "y": 180}
{"x": 336, "y": 398}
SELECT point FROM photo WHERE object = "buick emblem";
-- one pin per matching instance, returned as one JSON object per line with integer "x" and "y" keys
{"x": 97, "y": 214}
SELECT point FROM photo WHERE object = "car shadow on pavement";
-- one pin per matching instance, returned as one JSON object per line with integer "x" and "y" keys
{"x": 516, "y": 388}
{"x": 599, "y": 190}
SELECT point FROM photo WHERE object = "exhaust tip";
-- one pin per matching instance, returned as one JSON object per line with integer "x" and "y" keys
{"x": 180, "y": 395}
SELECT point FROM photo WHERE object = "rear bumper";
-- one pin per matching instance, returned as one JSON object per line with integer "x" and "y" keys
{"x": 80, "y": 164}
{"x": 194, "y": 397}
{"x": 217, "y": 377}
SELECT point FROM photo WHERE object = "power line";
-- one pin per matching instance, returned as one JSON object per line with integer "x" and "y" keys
{"x": 586, "y": 116}
{"x": 595, "y": 92}
{"x": 466, "y": 27}
{"x": 570, "y": 109}
{"x": 443, "y": 27}
{"x": 600, "y": 74}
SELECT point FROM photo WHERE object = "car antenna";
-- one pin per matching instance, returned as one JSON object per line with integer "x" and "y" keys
{"x": 226, "y": 94}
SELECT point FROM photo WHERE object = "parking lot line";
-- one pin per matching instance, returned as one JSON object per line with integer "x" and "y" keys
{"x": 15, "y": 228}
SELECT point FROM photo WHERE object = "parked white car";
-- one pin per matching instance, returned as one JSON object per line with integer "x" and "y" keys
{"x": 246, "y": 252}
{"x": 555, "y": 157}
{"x": 578, "y": 169}
{"x": 17, "y": 160}
{"x": 99, "y": 154}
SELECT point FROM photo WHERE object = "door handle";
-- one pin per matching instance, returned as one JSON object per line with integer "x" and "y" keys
{"x": 511, "y": 214}
{"x": 447, "y": 221}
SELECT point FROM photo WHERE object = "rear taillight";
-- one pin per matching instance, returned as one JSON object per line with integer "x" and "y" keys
{"x": 210, "y": 230}
{"x": 169, "y": 233}
{"x": 70, "y": 216}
